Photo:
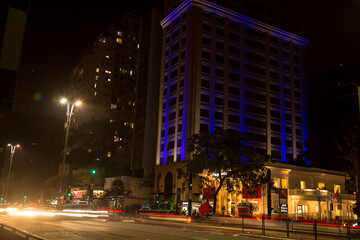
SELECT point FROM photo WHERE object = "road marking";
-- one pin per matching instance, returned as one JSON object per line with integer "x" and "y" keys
{"x": 128, "y": 220}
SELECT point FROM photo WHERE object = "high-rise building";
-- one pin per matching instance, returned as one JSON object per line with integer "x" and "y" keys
{"x": 118, "y": 81}
{"x": 147, "y": 96}
{"x": 272, "y": 12}
{"x": 13, "y": 18}
{"x": 223, "y": 69}
{"x": 105, "y": 78}
{"x": 334, "y": 114}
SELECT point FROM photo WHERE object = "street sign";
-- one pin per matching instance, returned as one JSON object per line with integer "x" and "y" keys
{"x": 284, "y": 208}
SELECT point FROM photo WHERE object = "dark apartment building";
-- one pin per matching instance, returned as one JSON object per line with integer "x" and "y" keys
{"x": 334, "y": 113}
{"x": 117, "y": 81}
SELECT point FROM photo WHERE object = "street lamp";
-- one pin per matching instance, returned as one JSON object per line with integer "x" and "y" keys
{"x": 12, "y": 153}
{"x": 69, "y": 113}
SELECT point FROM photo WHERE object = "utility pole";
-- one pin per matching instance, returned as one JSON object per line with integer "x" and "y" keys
{"x": 190, "y": 195}
{"x": 69, "y": 114}
{"x": 12, "y": 153}
{"x": 269, "y": 192}
{"x": 357, "y": 160}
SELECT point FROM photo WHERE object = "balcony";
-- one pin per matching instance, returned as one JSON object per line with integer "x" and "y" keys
{"x": 310, "y": 192}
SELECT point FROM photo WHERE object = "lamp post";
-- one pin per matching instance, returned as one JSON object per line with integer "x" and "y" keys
{"x": 91, "y": 187}
{"x": 12, "y": 153}
{"x": 69, "y": 112}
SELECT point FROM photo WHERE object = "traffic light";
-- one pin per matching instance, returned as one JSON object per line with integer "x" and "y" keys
{"x": 93, "y": 171}
{"x": 69, "y": 191}
{"x": 2, "y": 199}
{"x": 190, "y": 184}
{"x": 25, "y": 197}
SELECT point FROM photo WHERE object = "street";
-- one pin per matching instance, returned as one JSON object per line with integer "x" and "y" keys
{"x": 99, "y": 228}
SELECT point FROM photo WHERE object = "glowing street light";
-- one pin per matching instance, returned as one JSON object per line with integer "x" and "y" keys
{"x": 6, "y": 186}
{"x": 69, "y": 113}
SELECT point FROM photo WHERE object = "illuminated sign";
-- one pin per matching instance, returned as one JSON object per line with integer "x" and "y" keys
{"x": 284, "y": 208}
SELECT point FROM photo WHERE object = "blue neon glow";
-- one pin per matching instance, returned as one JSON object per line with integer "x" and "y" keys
{"x": 236, "y": 17}
{"x": 249, "y": 22}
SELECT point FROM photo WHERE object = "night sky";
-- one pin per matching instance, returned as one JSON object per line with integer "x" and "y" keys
{"x": 60, "y": 31}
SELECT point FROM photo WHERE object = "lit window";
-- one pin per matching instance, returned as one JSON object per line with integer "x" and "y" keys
{"x": 337, "y": 189}
{"x": 131, "y": 72}
{"x": 113, "y": 106}
{"x": 103, "y": 40}
{"x": 109, "y": 80}
{"x": 107, "y": 56}
{"x": 132, "y": 125}
{"x": 321, "y": 185}
{"x": 284, "y": 183}
{"x": 108, "y": 71}
{"x": 97, "y": 70}
{"x": 130, "y": 58}
{"x": 276, "y": 182}
{"x": 138, "y": 46}
{"x": 95, "y": 85}
{"x": 130, "y": 102}
{"x": 96, "y": 77}
{"x": 119, "y": 40}
{"x": 95, "y": 93}
{"x": 108, "y": 154}
{"x": 302, "y": 184}
{"x": 116, "y": 139}
{"x": 112, "y": 120}
{"x": 119, "y": 34}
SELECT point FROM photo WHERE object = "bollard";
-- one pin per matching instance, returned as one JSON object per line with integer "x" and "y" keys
{"x": 339, "y": 227}
{"x": 287, "y": 227}
{"x": 315, "y": 229}
{"x": 243, "y": 223}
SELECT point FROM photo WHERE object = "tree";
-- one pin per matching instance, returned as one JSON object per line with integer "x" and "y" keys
{"x": 74, "y": 180}
{"x": 117, "y": 189}
{"x": 225, "y": 156}
{"x": 101, "y": 144}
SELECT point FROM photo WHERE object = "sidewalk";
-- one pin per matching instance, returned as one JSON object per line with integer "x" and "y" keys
{"x": 214, "y": 222}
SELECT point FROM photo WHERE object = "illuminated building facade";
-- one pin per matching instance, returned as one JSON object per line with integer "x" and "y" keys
{"x": 222, "y": 69}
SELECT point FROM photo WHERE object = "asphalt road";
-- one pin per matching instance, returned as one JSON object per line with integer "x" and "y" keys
{"x": 98, "y": 228}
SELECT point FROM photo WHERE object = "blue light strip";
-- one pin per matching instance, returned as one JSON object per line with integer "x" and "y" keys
{"x": 236, "y": 17}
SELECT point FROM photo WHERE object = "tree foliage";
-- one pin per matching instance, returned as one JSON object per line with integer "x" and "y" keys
{"x": 226, "y": 156}
{"x": 116, "y": 190}
{"x": 103, "y": 145}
